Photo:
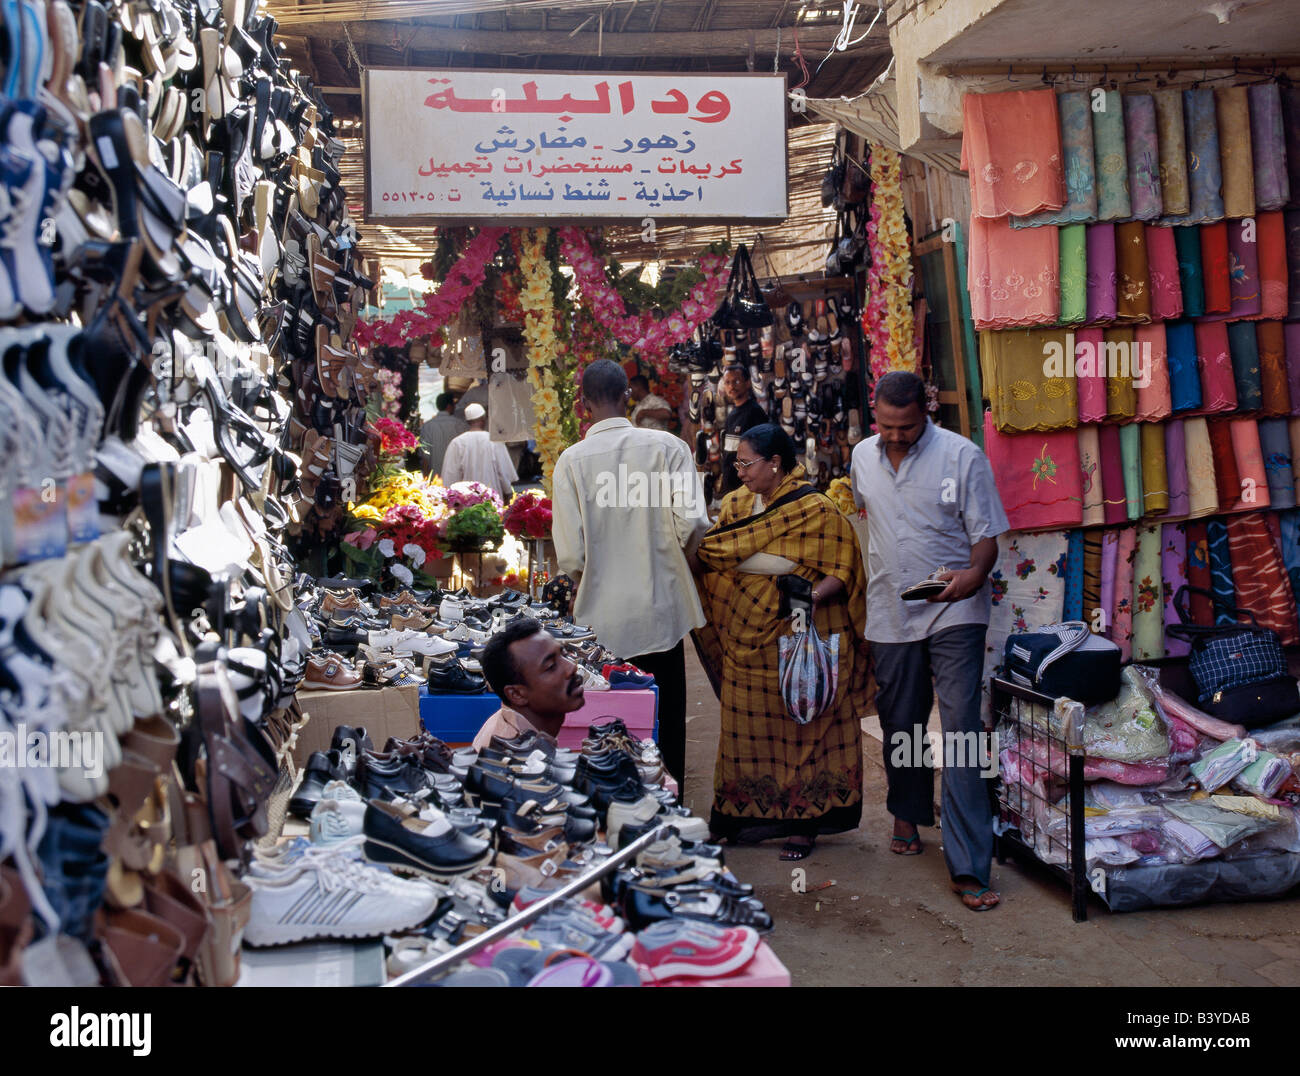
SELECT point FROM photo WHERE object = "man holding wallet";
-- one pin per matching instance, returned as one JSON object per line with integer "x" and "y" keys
{"x": 933, "y": 514}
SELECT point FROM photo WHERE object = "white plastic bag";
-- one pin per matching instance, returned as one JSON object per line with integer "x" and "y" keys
{"x": 808, "y": 671}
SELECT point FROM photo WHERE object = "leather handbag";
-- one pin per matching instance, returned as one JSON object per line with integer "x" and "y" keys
{"x": 1064, "y": 660}
{"x": 833, "y": 180}
{"x": 743, "y": 307}
{"x": 1240, "y": 669}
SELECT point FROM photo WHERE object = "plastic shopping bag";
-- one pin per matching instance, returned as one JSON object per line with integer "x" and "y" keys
{"x": 808, "y": 671}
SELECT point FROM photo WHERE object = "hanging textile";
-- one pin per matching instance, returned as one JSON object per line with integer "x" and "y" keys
{"x": 1176, "y": 464}
{"x": 1172, "y": 142}
{"x": 1268, "y": 147}
{"x": 1227, "y": 482}
{"x": 1173, "y": 574}
{"x": 1244, "y": 350}
{"x": 1260, "y": 581}
{"x": 1013, "y": 275}
{"x": 1290, "y": 544}
{"x": 1130, "y": 449}
{"x": 1198, "y": 574}
{"x": 1094, "y": 513}
{"x": 1121, "y": 396}
{"x": 1102, "y": 279}
{"x": 1090, "y": 374}
{"x": 1216, "y": 542}
{"x": 1215, "y": 276}
{"x": 1092, "y": 576}
{"x": 1202, "y": 481}
{"x": 1113, "y": 491}
{"x": 1275, "y": 446}
{"x": 1243, "y": 272}
{"x": 1155, "y": 474}
{"x": 1291, "y": 337}
{"x": 1218, "y": 386}
{"x": 1122, "y": 614}
{"x": 1074, "y": 274}
{"x": 1291, "y": 222}
{"x": 1111, "y": 157}
{"x": 1275, "y": 394}
{"x": 1142, "y": 146}
{"x": 1109, "y": 571}
{"x": 1012, "y": 366}
{"x": 1038, "y": 476}
{"x": 1293, "y": 428}
{"x": 1148, "y": 604}
{"x": 1191, "y": 285}
{"x": 1184, "y": 370}
{"x": 1011, "y": 149}
{"x": 1072, "y": 607}
{"x": 1270, "y": 231}
{"x": 1291, "y": 131}
{"x": 1232, "y": 108}
{"x": 1162, "y": 268}
{"x": 1075, "y": 114}
{"x": 1252, "y": 478}
{"x": 1152, "y": 380}
{"x": 1204, "y": 169}
{"x": 1133, "y": 280}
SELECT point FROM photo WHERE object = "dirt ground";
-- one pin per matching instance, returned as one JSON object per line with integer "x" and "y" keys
{"x": 892, "y": 920}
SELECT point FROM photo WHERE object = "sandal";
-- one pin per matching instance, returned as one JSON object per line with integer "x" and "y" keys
{"x": 907, "y": 843}
{"x": 792, "y": 852}
{"x": 978, "y": 895}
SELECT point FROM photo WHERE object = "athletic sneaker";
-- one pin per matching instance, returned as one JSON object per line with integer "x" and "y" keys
{"x": 602, "y": 915}
{"x": 560, "y": 930}
{"x": 334, "y": 898}
{"x": 676, "y": 948}
{"x": 333, "y": 821}
{"x": 341, "y": 791}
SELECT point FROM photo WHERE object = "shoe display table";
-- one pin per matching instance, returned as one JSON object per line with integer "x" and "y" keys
{"x": 456, "y": 719}
{"x": 383, "y": 712}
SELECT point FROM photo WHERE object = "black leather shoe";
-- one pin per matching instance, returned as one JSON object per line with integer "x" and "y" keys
{"x": 452, "y": 679}
{"x": 577, "y": 830}
{"x": 378, "y": 780}
{"x": 403, "y": 840}
{"x": 360, "y": 740}
{"x": 643, "y": 905}
{"x": 344, "y": 640}
{"x": 322, "y": 767}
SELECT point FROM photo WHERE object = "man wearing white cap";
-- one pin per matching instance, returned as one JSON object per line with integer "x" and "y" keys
{"x": 474, "y": 457}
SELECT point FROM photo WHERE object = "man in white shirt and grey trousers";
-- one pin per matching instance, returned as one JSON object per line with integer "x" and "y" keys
{"x": 931, "y": 503}
{"x": 628, "y": 507}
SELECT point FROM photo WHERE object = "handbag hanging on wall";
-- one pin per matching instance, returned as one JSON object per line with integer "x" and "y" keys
{"x": 743, "y": 307}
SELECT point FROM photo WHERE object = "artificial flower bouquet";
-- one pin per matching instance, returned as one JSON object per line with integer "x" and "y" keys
{"x": 529, "y": 516}
{"x": 401, "y": 527}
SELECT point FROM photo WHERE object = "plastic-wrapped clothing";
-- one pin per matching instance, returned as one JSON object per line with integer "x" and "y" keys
{"x": 1111, "y": 796}
{"x": 1128, "y": 728}
{"x": 1264, "y": 776}
{"x": 1190, "y": 841}
{"x": 1171, "y": 705}
{"x": 1224, "y": 828}
{"x": 1109, "y": 851}
{"x": 1216, "y": 768}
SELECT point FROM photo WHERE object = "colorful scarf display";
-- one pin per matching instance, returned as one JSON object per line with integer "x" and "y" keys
{"x": 1215, "y": 275}
{"x": 1204, "y": 168}
{"x": 1148, "y": 604}
{"x": 1111, "y": 156}
{"x": 1216, "y": 542}
{"x": 1155, "y": 473}
{"x": 1130, "y": 450}
{"x": 1184, "y": 370}
{"x": 1270, "y": 339}
{"x": 1202, "y": 483}
{"x": 1252, "y": 478}
{"x": 1274, "y": 275}
{"x": 1074, "y": 274}
{"x": 1218, "y": 386}
{"x": 1199, "y": 606}
{"x": 1090, "y": 476}
{"x": 1243, "y": 347}
{"x": 1291, "y": 132}
{"x": 1102, "y": 278}
{"x": 1090, "y": 374}
{"x": 1172, "y": 141}
{"x": 1011, "y": 149}
{"x": 1021, "y": 395}
{"x": 1133, "y": 274}
{"x": 1291, "y": 335}
{"x": 1259, "y": 577}
{"x": 1072, "y": 607}
{"x": 1109, "y": 568}
{"x": 1154, "y": 401}
{"x": 1075, "y": 113}
{"x": 1113, "y": 493}
{"x": 1038, "y": 475}
{"x": 1013, "y": 274}
{"x": 1122, "y": 614}
{"x": 1226, "y": 479}
{"x": 1118, "y": 351}
{"x": 1268, "y": 147}
{"x": 1187, "y": 241}
{"x": 1291, "y": 222}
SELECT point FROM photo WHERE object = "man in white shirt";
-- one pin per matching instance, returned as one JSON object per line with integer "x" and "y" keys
{"x": 651, "y": 412}
{"x": 628, "y": 508}
{"x": 439, "y": 432}
{"x": 475, "y": 457}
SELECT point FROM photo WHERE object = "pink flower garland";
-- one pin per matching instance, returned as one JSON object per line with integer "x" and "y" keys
{"x": 463, "y": 280}
{"x": 644, "y": 332}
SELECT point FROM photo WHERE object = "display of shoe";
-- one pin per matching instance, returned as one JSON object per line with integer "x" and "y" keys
{"x": 674, "y": 948}
{"x": 451, "y": 678}
{"x": 406, "y": 841}
{"x": 321, "y": 769}
{"x": 329, "y": 672}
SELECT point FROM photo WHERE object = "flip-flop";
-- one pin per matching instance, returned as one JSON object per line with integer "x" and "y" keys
{"x": 791, "y": 852}
{"x": 977, "y": 894}
{"x": 907, "y": 842}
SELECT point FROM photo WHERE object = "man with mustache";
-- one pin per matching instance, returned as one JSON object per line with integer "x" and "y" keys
{"x": 931, "y": 503}
{"x": 537, "y": 685}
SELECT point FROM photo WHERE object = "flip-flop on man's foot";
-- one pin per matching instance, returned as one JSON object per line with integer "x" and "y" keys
{"x": 902, "y": 845}
{"x": 976, "y": 897}
{"x": 797, "y": 848}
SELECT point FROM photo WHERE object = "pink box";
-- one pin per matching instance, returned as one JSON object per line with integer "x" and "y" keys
{"x": 764, "y": 970}
{"x": 635, "y": 708}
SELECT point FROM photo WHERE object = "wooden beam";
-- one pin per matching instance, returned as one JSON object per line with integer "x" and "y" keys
{"x": 723, "y": 43}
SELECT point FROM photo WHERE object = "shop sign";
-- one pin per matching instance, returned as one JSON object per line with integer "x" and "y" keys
{"x": 519, "y": 147}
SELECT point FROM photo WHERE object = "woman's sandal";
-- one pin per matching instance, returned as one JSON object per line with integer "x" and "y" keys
{"x": 976, "y": 895}
{"x": 907, "y": 843}
{"x": 792, "y": 851}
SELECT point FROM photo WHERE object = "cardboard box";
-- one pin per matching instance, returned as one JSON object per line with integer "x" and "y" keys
{"x": 382, "y": 712}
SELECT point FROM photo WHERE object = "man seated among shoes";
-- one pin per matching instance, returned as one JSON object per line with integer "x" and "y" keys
{"x": 537, "y": 685}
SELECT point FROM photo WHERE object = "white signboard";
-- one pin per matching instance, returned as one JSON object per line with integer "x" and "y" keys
{"x": 526, "y": 146}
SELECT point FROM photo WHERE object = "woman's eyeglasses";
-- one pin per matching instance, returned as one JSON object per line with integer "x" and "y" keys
{"x": 744, "y": 465}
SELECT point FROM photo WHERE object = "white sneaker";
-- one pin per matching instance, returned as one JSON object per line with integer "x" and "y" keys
{"x": 334, "y": 898}
{"x": 450, "y": 609}
{"x": 621, "y": 814}
{"x": 406, "y": 641}
{"x": 592, "y": 681}
{"x": 463, "y": 633}
{"x": 333, "y": 821}
{"x": 340, "y": 790}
